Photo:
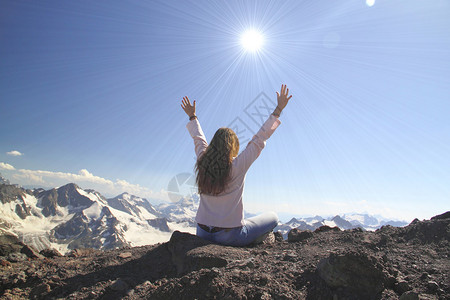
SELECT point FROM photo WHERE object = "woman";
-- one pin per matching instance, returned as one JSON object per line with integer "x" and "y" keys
{"x": 220, "y": 176}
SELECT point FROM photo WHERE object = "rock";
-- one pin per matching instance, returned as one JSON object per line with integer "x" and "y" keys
{"x": 190, "y": 252}
{"x": 179, "y": 244}
{"x": 16, "y": 257}
{"x": 50, "y": 253}
{"x": 119, "y": 285}
{"x": 19, "y": 278}
{"x": 40, "y": 290}
{"x": 5, "y": 263}
{"x": 125, "y": 255}
{"x": 390, "y": 282}
{"x": 79, "y": 252}
{"x": 9, "y": 243}
{"x": 432, "y": 286}
{"x": 443, "y": 216}
{"x": 159, "y": 223}
{"x": 327, "y": 265}
{"x": 296, "y": 235}
{"x": 402, "y": 287}
{"x": 354, "y": 272}
{"x": 30, "y": 252}
{"x": 242, "y": 264}
{"x": 428, "y": 231}
{"x": 326, "y": 228}
{"x": 410, "y": 295}
{"x": 278, "y": 236}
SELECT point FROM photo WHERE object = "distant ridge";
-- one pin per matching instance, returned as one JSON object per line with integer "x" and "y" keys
{"x": 70, "y": 217}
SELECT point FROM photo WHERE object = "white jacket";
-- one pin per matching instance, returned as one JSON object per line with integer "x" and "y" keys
{"x": 226, "y": 209}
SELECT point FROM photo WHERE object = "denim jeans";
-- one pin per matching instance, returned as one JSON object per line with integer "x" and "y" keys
{"x": 254, "y": 228}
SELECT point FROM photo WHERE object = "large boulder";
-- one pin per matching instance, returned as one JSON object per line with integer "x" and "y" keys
{"x": 190, "y": 253}
{"x": 14, "y": 250}
{"x": 355, "y": 272}
{"x": 9, "y": 243}
{"x": 297, "y": 235}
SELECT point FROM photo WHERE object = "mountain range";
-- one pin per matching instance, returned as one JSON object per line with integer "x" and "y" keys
{"x": 69, "y": 217}
{"x": 344, "y": 222}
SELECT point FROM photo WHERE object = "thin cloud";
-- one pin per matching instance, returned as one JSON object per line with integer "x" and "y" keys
{"x": 14, "y": 153}
{"x": 86, "y": 179}
{"x": 5, "y": 166}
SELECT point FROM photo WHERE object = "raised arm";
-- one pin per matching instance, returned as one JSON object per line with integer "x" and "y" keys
{"x": 283, "y": 99}
{"x": 258, "y": 142}
{"x": 188, "y": 108}
{"x": 194, "y": 128}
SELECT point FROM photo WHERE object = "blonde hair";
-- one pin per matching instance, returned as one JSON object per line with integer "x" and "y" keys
{"x": 213, "y": 167}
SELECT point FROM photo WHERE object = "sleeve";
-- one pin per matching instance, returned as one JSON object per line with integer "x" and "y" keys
{"x": 196, "y": 132}
{"x": 256, "y": 145}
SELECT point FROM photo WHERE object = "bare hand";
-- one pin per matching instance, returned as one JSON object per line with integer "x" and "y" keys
{"x": 188, "y": 108}
{"x": 282, "y": 97}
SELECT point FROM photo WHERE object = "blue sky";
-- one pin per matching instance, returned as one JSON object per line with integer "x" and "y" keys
{"x": 90, "y": 93}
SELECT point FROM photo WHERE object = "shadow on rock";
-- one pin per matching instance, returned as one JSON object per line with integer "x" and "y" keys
{"x": 114, "y": 281}
{"x": 190, "y": 253}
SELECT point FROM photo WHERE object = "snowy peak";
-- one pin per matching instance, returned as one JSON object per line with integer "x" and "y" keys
{"x": 69, "y": 196}
{"x": 344, "y": 222}
{"x": 370, "y": 222}
{"x": 182, "y": 211}
{"x": 10, "y": 193}
{"x": 133, "y": 205}
{"x": 361, "y": 219}
{"x": 70, "y": 217}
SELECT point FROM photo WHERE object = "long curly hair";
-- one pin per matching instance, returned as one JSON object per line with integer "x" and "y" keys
{"x": 213, "y": 167}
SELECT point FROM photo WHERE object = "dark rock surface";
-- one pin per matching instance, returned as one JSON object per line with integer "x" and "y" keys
{"x": 9, "y": 193}
{"x": 62, "y": 196}
{"x": 160, "y": 224}
{"x": 296, "y": 235}
{"x": 391, "y": 263}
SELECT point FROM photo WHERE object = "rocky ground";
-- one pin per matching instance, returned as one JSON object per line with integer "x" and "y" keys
{"x": 392, "y": 263}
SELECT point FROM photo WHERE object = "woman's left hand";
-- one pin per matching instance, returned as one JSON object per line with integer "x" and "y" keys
{"x": 187, "y": 107}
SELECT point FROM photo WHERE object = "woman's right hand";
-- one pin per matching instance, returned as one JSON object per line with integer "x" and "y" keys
{"x": 283, "y": 97}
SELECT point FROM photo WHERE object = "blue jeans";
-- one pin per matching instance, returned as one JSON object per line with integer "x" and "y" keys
{"x": 254, "y": 228}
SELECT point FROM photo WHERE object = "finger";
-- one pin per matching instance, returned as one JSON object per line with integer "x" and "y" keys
{"x": 281, "y": 91}
{"x": 287, "y": 92}
{"x": 289, "y": 97}
{"x": 278, "y": 95}
{"x": 194, "y": 104}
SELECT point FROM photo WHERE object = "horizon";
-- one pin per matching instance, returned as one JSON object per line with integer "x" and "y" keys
{"x": 284, "y": 217}
{"x": 91, "y": 94}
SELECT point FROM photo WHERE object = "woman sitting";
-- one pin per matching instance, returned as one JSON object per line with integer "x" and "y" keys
{"x": 220, "y": 176}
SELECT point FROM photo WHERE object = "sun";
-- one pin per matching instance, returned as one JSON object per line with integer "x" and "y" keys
{"x": 252, "y": 40}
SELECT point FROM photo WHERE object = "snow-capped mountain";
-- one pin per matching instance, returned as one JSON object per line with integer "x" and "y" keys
{"x": 370, "y": 222}
{"x": 69, "y": 217}
{"x": 183, "y": 211}
{"x": 346, "y": 221}
{"x": 134, "y": 206}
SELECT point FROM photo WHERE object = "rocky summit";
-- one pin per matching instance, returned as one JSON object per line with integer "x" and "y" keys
{"x": 409, "y": 262}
